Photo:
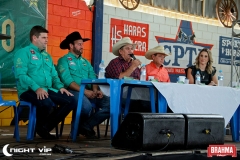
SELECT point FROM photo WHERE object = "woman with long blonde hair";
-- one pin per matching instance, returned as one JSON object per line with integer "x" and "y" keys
{"x": 203, "y": 64}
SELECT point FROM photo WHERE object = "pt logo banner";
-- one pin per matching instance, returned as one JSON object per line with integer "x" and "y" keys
{"x": 225, "y": 50}
{"x": 183, "y": 48}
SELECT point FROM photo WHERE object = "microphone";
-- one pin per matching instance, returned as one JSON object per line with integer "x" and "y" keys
{"x": 132, "y": 55}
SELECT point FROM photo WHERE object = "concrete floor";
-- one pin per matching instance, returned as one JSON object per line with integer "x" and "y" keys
{"x": 83, "y": 148}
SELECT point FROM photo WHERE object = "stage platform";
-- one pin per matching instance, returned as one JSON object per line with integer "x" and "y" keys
{"x": 91, "y": 148}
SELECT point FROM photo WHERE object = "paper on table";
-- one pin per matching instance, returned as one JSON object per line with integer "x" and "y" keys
{"x": 105, "y": 89}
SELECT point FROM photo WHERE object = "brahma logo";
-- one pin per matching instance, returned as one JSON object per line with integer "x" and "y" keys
{"x": 222, "y": 150}
{"x": 42, "y": 151}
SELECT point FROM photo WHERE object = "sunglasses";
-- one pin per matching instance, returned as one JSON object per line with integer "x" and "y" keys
{"x": 205, "y": 49}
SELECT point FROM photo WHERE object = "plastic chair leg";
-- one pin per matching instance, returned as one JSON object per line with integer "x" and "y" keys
{"x": 98, "y": 131}
{"x": 106, "y": 130}
{"x": 31, "y": 123}
{"x": 61, "y": 128}
{"x": 56, "y": 129}
{"x": 16, "y": 130}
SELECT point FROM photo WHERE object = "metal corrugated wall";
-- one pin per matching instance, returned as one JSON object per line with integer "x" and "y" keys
{"x": 193, "y": 7}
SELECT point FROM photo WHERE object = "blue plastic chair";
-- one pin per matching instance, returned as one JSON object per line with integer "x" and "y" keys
{"x": 31, "y": 133}
{"x": 31, "y": 118}
{"x": 11, "y": 103}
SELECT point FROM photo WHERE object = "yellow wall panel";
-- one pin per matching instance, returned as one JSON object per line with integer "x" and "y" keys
{"x": 69, "y": 115}
{"x": 6, "y": 121}
{"x": 68, "y": 120}
{"x": 6, "y": 113}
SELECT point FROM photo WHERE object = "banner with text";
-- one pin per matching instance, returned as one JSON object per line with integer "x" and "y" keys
{"x": 16, "y": 20}
{"x": 183, "y": 48}
{"x": 225, "y": 50}
{"x": 138, "y": 33}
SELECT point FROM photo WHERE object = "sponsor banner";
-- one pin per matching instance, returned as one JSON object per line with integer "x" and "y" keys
{"x": 138, "y": 33}
{"x": 183, "y": 48}
{"x": 222, "y": 150}
{"x": 225, "y": 50}
{"x": 175, "y": 70}
{"x": 16, "y": 20}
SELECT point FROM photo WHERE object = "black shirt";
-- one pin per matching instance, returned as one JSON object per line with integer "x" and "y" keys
{"x": 205, "y": 77}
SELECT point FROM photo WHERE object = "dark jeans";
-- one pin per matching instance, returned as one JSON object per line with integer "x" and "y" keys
{"x": 86, "y": 106}
{"x": 102, "y": 114}
{"x": 48, "y": 114}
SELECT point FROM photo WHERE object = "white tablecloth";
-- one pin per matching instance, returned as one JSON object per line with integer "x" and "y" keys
{"x": 189, "y": 98}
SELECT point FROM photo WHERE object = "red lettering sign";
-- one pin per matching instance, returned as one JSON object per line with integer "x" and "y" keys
{"x": 222, "y": 150}
{"x": 138, "y": 33}
{"x": 175, "y": 70}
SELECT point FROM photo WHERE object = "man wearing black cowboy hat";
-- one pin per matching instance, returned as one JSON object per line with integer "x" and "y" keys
{"x": 72, "y": 68}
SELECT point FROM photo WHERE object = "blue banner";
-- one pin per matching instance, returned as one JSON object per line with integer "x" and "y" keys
{"x": 225, "y": 50}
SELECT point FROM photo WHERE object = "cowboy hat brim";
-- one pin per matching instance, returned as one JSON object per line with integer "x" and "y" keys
{"x": 70, "y": 38}
{"x": 123, "y": 42}
{"x": 155, "y": 50}
{"x": 65, "y": 43}
{"x": 116, "y": 52}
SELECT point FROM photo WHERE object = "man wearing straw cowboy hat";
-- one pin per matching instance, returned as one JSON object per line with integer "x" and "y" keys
{"x": 123, "y": 65}
{"x": 155, "y": 68}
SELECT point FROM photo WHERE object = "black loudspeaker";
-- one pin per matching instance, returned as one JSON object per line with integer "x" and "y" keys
{"x": 202, "y": 130}
{"x": 150, "y": 131}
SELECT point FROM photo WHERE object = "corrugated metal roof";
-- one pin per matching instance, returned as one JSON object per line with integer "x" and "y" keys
{"x": 193, "y": 7}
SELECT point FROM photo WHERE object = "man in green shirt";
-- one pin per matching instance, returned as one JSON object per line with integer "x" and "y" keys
{"x": 72, "y": 68}
{"x": 38, "y": 83}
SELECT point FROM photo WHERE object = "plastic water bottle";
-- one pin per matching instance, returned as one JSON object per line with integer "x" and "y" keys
{"x": 220, "y": 78}
{"x": 101, "y": 73}
{"x": 143, "y": 73}
{"x": 197, "y": 78}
